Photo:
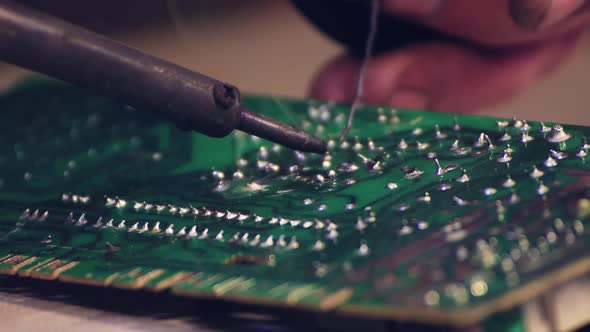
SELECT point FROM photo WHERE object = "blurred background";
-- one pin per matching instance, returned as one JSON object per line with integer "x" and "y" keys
{"x": 266, "y": 47}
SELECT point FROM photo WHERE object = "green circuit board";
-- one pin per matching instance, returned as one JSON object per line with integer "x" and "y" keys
{"x": 420, "y": 216}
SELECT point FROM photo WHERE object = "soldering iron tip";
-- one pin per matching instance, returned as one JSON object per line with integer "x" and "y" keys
{"x": 314, "y": 144}
{"x": 281, "y": 133}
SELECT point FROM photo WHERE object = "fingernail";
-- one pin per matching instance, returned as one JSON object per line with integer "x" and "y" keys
{"x": 541, "y": 14}
{"x": 409, "y": 98}
{"x": 415, "y": 8}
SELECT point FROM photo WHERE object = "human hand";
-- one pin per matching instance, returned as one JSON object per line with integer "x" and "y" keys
{"x": 512, "y": 43}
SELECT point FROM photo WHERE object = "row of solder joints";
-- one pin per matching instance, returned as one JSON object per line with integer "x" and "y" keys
{"x": 191, "y": 211}
{"x": 184, "y": 232}
{"x": 227, "y": 215}
{"x": 181, "y": 232}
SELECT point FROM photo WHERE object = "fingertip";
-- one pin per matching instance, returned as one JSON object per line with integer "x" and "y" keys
{"x": 541, "y": 14}
{"x": 334, "y": 80}
{"x": 338, "y": 80}
{"x": 410, "y": 99}
{"x": 529, "y": 14}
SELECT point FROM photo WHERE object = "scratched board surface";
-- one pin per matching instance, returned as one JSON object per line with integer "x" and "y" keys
{"x": 416, "y": 216}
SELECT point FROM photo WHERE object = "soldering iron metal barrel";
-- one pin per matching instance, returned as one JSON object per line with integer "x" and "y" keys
{"x": 51, "y": 46}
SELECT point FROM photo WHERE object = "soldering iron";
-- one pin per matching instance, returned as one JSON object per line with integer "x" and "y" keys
{"x": 192, "y": 101}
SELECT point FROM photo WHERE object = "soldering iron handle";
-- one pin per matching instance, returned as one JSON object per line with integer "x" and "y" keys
{"x": 48, "y": 45}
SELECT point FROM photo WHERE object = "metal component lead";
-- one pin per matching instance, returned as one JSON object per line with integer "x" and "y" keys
{"x": 318, "y": 245}
{"x": 542, "y": 189}
{"x": 363, "y": 249}
{"x": 559, "y": 155}
{"x": 464, "y": 177}
{"x": 170, "y": 229}
{"x": 481, "y": 140}
{"x": 558, "y": 134}
{"x": 438, "y": 134}
{"x": 508, "y": 183}
{"x": 536, "y": 173}
{"x": 525, "y": 137}
{"x": 505, "y": 137}
{"x": 550, "y": 162}
{"x": 403, "y": 145}
{"x": 439, "y": 170}
{"x": 81, "y": 221}
{"x": 504, "y": 158}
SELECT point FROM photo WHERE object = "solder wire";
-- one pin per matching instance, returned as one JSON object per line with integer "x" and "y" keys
{"x": 361, "y": 77}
